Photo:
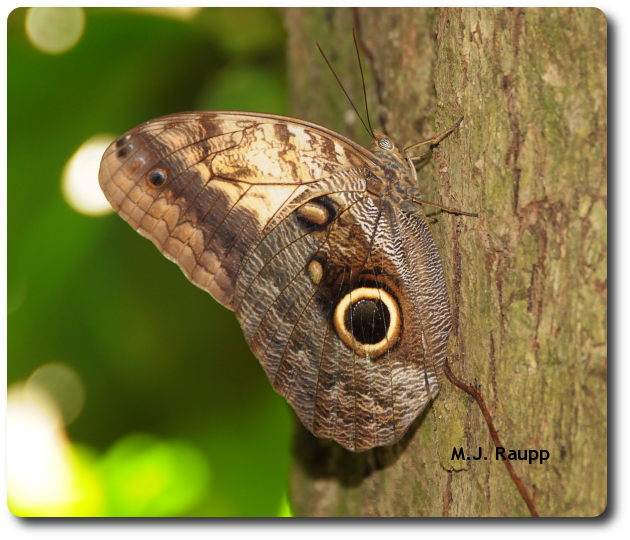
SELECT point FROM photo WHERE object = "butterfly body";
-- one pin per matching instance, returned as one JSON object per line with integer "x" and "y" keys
{"x": 315, "y": 243}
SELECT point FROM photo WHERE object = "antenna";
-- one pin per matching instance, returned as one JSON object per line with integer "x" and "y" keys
{"x": 344, "y": 90}
{"x": 367, "y": 112}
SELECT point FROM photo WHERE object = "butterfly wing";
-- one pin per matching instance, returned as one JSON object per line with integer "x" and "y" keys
{"x": 273, "y": 217}
{"x": 202, "y": 186}
{"x": 289, "y": 295}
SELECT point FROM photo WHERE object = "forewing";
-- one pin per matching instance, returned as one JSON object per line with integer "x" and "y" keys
{"x": 218, "y": 180}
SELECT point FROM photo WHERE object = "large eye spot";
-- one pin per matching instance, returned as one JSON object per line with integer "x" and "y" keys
{"x": 368, "y": 320}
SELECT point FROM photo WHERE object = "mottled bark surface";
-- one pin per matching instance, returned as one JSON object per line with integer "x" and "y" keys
{"x": 527, "y": 279}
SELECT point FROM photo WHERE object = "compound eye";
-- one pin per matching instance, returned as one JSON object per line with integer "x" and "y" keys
{"x": 385, "y": 143}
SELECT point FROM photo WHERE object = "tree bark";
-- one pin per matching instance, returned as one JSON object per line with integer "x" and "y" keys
{"x": 527, "y": 279}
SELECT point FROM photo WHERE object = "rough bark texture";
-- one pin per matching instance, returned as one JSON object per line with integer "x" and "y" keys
{"x": 527, "y": 279}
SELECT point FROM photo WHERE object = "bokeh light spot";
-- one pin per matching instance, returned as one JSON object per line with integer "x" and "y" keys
{"x": 79, "y": 183}
{"x": 63, "y": 385}
{"x": 55, "y": 30}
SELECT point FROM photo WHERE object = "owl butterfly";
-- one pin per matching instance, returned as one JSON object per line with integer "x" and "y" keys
{"x": 319, "y": 246}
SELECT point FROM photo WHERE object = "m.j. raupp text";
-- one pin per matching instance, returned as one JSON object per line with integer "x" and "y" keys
{"x": 531, "y": 456}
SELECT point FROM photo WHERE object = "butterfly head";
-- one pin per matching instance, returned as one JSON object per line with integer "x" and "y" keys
{"x": 386, "y": 146}
{"x": 396, "y": 168}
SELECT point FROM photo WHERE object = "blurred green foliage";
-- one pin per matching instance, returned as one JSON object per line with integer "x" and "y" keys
{"x": 156, "y": 355}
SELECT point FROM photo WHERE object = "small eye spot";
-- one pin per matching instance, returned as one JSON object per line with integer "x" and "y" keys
{"x": 157, "y": 177}
{"x": 385, "y": 143}
{"x": 124, "y": 151}
{"x": 314, "y": 213}
{"x": 122, "y": 141}
{"x": 315, "y": 272}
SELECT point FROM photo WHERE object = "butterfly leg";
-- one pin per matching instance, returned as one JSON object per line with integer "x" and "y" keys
{"x": 416, "y": 159}
{"x": 437, "y": 138}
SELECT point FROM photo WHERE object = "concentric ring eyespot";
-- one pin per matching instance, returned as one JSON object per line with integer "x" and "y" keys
{"x": 369, "y": 321}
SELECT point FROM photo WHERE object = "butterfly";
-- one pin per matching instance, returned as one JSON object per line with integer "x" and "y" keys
{"x": 320, "y": 247}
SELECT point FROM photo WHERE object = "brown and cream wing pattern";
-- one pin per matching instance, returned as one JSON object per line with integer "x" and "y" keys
{"x": 315, "y": 244}
{"x": 203, "y": 185}
{"x": 289, "y": 296}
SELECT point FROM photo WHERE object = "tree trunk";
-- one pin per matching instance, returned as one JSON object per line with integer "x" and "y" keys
{"x": 527, "y": 279}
